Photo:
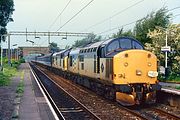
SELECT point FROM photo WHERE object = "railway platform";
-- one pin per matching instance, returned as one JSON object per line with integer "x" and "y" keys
{"x": 170, "y": 94}
{"x": 170, "y": 87}
{"x": 33, "y": 105}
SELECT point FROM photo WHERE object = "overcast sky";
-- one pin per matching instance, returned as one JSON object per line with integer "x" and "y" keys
{"x": 38, "y": 15}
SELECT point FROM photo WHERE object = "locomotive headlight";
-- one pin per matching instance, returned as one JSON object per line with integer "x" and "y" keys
{"x": 138, "y": 72}
{"x": 149, "y": 64}
{"x": 152, "y": 74}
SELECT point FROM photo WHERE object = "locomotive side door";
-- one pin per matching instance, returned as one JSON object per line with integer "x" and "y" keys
{"x": 100, "y": 54}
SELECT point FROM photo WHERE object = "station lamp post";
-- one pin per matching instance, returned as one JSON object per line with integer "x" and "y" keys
{"x": 12, "y": 51}
{"x": 9, "y": 51}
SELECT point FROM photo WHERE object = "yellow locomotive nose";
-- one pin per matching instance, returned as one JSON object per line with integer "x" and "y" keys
{"x": 135, "y": 66}
{"x": 135, "y": 71}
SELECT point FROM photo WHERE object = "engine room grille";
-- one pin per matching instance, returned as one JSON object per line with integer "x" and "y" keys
{"x": 109, "y": 67}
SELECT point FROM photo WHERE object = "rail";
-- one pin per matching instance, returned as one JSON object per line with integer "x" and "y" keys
{"x": 67, "y": 105}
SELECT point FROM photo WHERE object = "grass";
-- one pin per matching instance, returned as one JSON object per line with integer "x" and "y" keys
{"x": 20, "y": 87}
{"x": 178, "y": 88}
{"x": 171, "y": 78}
{"x": 174, "y": 78}
{"x": 9, "y": 72}
{"x": 5, "y": 76}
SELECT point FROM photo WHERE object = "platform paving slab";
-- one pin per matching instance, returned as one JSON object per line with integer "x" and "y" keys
{"x": 33, "y": 105}
{"x": 7, "y": 97}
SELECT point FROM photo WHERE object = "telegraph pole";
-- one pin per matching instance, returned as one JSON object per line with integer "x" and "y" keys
{"x": 9, "y": 51}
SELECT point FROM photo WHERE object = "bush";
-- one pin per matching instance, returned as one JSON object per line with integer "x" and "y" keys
{"x": 6, "y": 75}
{"x": 22, "y": 60}
{"x": 174, "y": 77}
{"x": 178, "y": 88}
{"x": 4, "y": 79}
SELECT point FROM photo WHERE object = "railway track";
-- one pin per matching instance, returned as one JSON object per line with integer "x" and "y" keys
{"x": 166, "y": 114}
{"x": 103, "y": 108}
{"x": 65, "y": 105}
{"x": 154, "y": 113}
{"x": 111, "y": 107}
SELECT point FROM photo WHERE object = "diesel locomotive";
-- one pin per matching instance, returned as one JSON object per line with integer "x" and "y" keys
{"x": 119, "y": 69}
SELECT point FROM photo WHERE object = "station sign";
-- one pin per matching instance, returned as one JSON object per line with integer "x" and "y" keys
{"x": 166, "y": 49}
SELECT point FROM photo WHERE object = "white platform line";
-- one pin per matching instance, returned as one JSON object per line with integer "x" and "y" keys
{"x": 171, "y": 91}
{"x": 48, "y": 102}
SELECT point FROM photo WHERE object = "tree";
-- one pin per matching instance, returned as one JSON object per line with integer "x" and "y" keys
{"x": 121, "y": 33}
{"x": 91, "y": 38}
{"x": 53, "y": 47}
{"x": 150, "y": 22}
{"x": 6, "y": 10}
{"x": 67, "y": 47}
{"x": 158, "y": 37}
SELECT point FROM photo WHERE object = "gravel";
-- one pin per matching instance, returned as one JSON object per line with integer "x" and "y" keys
{"x": 98, "y": 105}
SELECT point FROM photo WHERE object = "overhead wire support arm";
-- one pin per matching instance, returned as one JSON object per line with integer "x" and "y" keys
{"x": 22, "y": 33}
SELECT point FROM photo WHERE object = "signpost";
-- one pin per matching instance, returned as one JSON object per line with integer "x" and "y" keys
{"x": 166, "y": 49}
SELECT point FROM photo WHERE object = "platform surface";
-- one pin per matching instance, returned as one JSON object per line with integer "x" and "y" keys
{"x": 33, "y": 105}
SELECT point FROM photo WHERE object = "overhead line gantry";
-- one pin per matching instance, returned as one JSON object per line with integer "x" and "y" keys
{"x": 49, "y": 34}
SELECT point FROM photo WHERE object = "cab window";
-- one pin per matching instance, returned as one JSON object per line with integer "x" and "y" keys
{"x": 71, "y": 60}
{"x": 113, "y": 46}
{"x": 102, "y": 52}
{"x": 125, "y": 44}
{"x": 136, "y": 45}
{"x": 81, "y": 58}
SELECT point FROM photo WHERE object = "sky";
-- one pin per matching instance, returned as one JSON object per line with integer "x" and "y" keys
{"x": 99, "y": 17}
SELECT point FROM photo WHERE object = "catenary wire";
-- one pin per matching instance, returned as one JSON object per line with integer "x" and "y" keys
{"x": 118, "y": 27}
{"x": 75, "y": 15}
{"x": 135, "y": 22}
{"x": 176, "y": 15}
{"x": 98, "y": 23}
{"x": 174, "y": 8}
{"x": 59, "y": 14}
{"x": 71, "y": 18}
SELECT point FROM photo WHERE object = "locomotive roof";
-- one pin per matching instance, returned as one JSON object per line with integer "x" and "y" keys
{"x": 58, "y": 53}
{"x": 62, "y": 51}
{"x": 105, "y": 42}
{"x": 97, "y": 44}
{"x": 54, "y": 54}
{"x": 74, "y": 51}
{"x": 46, "y": 55}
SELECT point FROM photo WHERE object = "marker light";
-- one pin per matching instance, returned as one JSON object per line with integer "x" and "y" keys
{"x": 152, "y": 73}
{"x": 149, "y": 64}
{"x": 125, "y": 64}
